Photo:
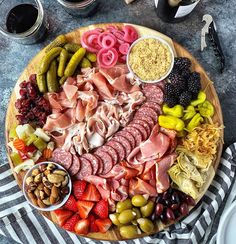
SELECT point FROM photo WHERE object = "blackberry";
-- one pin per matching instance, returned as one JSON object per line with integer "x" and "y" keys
{"x": 170, "y": 89}
{"x": 185, "y": 98}
{"x": 177, "y": 80}
{"x": 182, "y": 63}
{"x": 194, "y": 82}
{"x": 194, "y": 95}
{"x": 171, "y": 101}
{"x": 185, "y": 73}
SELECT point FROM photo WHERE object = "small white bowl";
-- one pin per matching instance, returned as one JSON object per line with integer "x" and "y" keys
{"x": 163, "y": 42}
{"x": 52, "y": 207}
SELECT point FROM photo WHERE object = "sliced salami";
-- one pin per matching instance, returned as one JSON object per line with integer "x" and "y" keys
{"x": 111, "y": 151}
{"x": 62, "y": 157}
{"x": 153, "y": 93}
{"x": 124, "y": 142}
{"x": 148, "y": 112}
{"x": 100, "y": 168}
{"x": 154, "y": 106}
{"x": 144, "y": 123}
{"x": 142, "y": 129}
{"x": 107, "y": 161}
{"x": 148, "y": 119}
{"x": 128, "y": 136}
{"x": 85, "y": 169}
{"x": 135, "y": 133}
{"x": 118, "y": 147}
{"x": 93, "y": 160}
{"x": 75, "y": 166}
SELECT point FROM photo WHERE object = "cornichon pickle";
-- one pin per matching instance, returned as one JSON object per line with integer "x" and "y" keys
{"x": 62, "y": 62}
{"x": 42, "y": 83}
{"x": 74, "y": 61}
{"x": 85, "y": 63}
{"x": 57, "y": 42}
{"x": 47, "y": 59}
{"x": 52, "y": 82}
{"x": 72, "y": 47}
{"x": 62, "y": 80}
{"x": 91, "y": 57}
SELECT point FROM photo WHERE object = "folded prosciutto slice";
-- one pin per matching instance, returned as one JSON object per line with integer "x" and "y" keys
{"x": 138, "y": 186}
{"x": 162, "y": 177}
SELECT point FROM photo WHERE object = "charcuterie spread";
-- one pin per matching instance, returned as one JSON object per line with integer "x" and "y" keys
{"x": 138, "y": 153}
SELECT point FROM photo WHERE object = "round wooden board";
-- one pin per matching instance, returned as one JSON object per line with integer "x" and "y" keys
{"x": 74, "y": 36}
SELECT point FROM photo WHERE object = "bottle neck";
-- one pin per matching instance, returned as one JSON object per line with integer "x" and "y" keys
{"x": 174, "y": 3}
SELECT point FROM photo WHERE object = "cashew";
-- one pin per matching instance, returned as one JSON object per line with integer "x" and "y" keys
{"x": 55, "y": 178}
{"x": 47, "y": 183}
{"x": 38, "y": 178}
{"x": 35, "y": 172}
{"x": 65, "y": 182}
{"x": 29, "y": 180}
{"x": 46, "y": 201}
{"x": 60, "y": 172}
{"x": 41, "y": 195}
{"x": 51, "y": 166}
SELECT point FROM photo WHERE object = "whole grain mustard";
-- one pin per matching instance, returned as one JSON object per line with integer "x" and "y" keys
{"x": 150, "y": 59}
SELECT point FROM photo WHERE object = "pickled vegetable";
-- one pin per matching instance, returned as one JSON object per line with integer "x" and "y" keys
{"x": 138, "y": 201}
{"x": 206, "y": 109}
{"x": 176, "y": 111}
{"x": 72, "y": 47}
{"x": 16, "y": 159}
{"x": 85, "y": 63}
{"x": 200, "y": 99}
{"x": 171, "y": 122}
{"x": 91, "y": 57}
{"x": 62, "y": 62}
{"x": 147, "y": 209}
{"x": 42, "y": 83}
{"x": 40, "y": 144}
{"x": 31, "y": 139}
{"x": 52, "y": 81}
{"x": 121, "y": 206}
{"x": 126, "y": 216}
{"x": 129, "y": 231}
{"x": 145, "y": 225}
{"x": 74, "y": 62}
{"x": 62, "y": 80}
{"x": 57, "y": 42}
{"x": 48, "y": 58}
{"x": 12, "y": 133}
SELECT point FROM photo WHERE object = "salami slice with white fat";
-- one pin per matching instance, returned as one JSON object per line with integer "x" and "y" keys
{"x": 154, "y": 106}
{"x": 124, "y": 142}
{"x": 107, "y": 161}
{"x": 143, "y": 123}
{"x": 62, "y": 157}
{"x": 148, "y": 119}
{"x": 93, "y": 160}
{"x": 148, "y": 112}
{"x": 85, "y": 169}
{"x": 75, "y": 166}
{"x": 111, "y": 151}
{"x": 135, "y": 133}
{"x": 101, "y": 166}
{"x": 153, "y": 93}
{"x": 118, "y": 147}
{"x": 128, "y": 136}
{"x": 141, "y": 128}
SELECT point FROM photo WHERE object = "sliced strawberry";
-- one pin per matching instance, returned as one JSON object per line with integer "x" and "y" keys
{"x": 71, "y": 222}
{"x": 71, "y": 204}
{"x": 91, "y": 194}
{"x": 101, "y": 209}
{"x": 84, "y": 208}
{"x": 82, "y": 226}
{"x": 62, "y": 215}
{"x": 79, "y": 188}
{"x": 93, "y": 227}
{"x": 103, "y": 225}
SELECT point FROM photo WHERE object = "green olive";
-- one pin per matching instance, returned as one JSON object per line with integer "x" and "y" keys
{"x": 145, "y": 225}
{"x": 121, "y": 206}
{"x": 126, "y": 216}
{"x": 138, "y": 213}
{"x": 129, "y": 231}
{"x": 114, "y": 219}
{"x": 147, "y": 209}
{"x": 139, "y": 201}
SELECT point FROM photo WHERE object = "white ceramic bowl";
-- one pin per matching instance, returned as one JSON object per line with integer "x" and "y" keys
{"x": 52, "y": 207}
{"x": 163, "y": 42}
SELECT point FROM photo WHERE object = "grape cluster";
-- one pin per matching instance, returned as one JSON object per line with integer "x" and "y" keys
{"x": 172, "y": 204}
{"x": 32, "y": 106}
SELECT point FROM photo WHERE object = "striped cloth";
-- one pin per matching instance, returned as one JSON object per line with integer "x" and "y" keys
{"x": 22, "y": 223}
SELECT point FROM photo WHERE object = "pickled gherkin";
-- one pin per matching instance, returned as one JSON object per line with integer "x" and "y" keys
{"x": 72, "y": 47}
{"x": 42, "y": 83}
{"x": 52, "y": 81}
{"x": 91, "y": 57}
{"x": 62, "y": 62}
{"x": 85, "y": 63}
{"x": 57, "y": 42}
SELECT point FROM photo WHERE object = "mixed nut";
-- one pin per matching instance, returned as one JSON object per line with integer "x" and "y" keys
{"x": 47, "y": 185}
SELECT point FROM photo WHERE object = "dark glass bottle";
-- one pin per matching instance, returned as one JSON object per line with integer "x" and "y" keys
{"x": 175, "y": 10}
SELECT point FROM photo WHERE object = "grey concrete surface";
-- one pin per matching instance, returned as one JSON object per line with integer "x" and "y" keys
{"x": 14, "y": 57}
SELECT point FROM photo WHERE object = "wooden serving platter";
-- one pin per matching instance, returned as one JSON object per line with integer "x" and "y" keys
{"x": 74, "y": 36}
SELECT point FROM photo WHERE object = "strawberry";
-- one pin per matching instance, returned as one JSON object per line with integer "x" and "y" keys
{"x": 62, "y": 215}
{"x": 70, "y": 223}
{"x": 71, "y": 204}
{"x": 84, "y": 208}
{"x": 79, "y": 188}
{"x": 91, "y": 194}
{"x": 93, "y": 227}
{"x": 103, "y": 224}
{"x": 101, "y": 209}
{"x": 82, "y": 226}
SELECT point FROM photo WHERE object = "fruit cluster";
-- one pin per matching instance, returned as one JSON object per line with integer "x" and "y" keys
{"x": 84, "y": 211}
{"x": 32, "y": 106}
{"x": 172, "y": 204}
{"x": 183, "y": 85}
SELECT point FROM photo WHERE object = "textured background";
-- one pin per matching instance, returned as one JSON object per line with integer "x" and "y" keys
{"x": 14, "y": 57}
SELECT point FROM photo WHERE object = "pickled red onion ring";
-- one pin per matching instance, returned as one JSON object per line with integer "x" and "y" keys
{"x": 89, "y": 40}
{"x": 130, "y": 33}
{"x": 107, "y": 58}
{"x": 106, "y": 40}
{"x": 124, "y": 48}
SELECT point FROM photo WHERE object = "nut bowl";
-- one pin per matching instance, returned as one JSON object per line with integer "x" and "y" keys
{"x": 47, "y": 186}
{"x": 162, "y": 42}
